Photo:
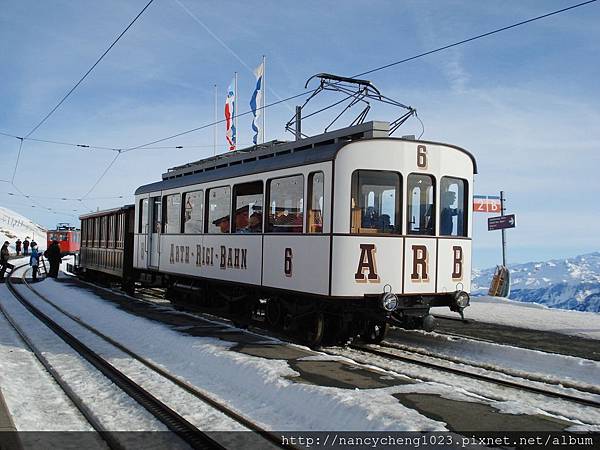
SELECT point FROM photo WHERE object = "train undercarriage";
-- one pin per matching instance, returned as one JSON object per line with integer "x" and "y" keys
{"x": 311, "y": 320}
{"x": 308, "y": 319}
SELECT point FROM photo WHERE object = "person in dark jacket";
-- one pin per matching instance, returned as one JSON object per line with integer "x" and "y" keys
{"x": 53, "y": 255}
{"x": 18, "y": 247}
{"x": 4, "y": 264}
{"x": 26, "y": 246}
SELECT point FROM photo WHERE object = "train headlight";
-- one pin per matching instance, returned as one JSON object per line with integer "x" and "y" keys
{"x": 389, "y": 301}
{"x": 461, "y": 299}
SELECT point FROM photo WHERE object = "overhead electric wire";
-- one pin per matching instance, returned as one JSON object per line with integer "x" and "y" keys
{"x": 89, "y": 70}
{"x": 464, "y": 41}
{"x": 101, "y": 176}
{"x": 386, "y": 66}
{"x": 420, "y": 55}
{"x": 12, "y": 180}
{"x": 214, "y": 123}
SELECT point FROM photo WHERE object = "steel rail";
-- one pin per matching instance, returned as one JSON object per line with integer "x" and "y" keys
{"x": 477, "y": 376}
{"x": 175, "y": 422}
{"x": 75, "y": 399}
{"x": 275, "y": 439}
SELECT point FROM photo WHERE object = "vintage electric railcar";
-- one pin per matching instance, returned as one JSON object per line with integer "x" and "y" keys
{"x": 334, "y": 235}
{"x": 68, "y": 238}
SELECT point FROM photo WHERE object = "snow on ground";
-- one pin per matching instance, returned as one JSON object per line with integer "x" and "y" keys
{"x": 259, "y": 388}
{"x": 14, "y": 226}
{"x": 531, "y": 316}
{"x": 516, "y": 361}
{"x": 119, "y": 411}
{"x": 264, "y": 390}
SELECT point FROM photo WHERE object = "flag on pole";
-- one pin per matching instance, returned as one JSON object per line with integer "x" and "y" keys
{"x": 229, "y": 116}
{"x": 255, "y": 101}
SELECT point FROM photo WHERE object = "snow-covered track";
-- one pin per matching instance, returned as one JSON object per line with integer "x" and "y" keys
{"x": 174, "y": 421}
{"x": 467, "y": 369}
{"x": 75, "y": 399}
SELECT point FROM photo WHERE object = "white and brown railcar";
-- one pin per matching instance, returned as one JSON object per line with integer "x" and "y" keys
{"x": 348, "y": 230}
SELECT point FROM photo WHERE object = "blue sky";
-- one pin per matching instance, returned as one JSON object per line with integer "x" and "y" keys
{"x": 525, "y": 101}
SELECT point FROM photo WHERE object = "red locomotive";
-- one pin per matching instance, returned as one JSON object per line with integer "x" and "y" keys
{"x": 68, "y": 237}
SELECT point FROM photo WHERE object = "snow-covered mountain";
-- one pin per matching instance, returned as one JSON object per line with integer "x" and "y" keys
{"x": 572, "y": 283}
{"x": 14, "y": 226}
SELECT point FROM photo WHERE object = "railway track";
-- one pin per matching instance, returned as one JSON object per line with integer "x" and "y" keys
{"x": 496, "y": 375}
{"x": 174, "y": 421}
{"x": 467, "y": 369}
{"x": 457, "y": 367}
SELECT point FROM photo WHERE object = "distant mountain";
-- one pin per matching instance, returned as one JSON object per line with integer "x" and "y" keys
{"x": 14, "y": 226}
{"x": 572, "y": 283}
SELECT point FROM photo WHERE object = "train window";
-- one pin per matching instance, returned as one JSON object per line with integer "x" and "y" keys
{"x": 143, "y": 227}
{"x": 453, "y": 200}
{"x": 193, "y": 212}
{"x": 248, "y": 202}
{"x": 97, "y": 231}
{"x": 117, "y": 228}
{"x": 286, "y": 205}
{"x": 421, "y": 192}
{"x": 315, "y": 202}
{"x": 64, "y": 236}
{"x": 376, "y": 202}
{"x": 156, "y": 215}
{"x": 219, "y": 205}
{"x": 111, "y": 231}
{"x": 171, "y": 213}
{"x": 103, "y": 231}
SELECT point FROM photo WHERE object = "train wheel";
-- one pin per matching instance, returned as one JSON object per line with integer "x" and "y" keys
{"x": 375, "y": 332}
{"x": 315, "y": 329}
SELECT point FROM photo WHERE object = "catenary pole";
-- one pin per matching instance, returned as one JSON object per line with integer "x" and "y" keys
{"x": 503, "y": 231}
{"x": 235, "y": 119}
{"x": 264, "y": 99}
{"x": 215, "y": 131}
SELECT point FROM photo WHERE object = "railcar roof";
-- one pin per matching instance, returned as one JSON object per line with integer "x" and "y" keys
{"x": 104, "y": 212}
{"x": 274, "y": 155}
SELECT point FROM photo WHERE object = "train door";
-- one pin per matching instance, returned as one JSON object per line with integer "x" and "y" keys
{"x": 154, "y": 221}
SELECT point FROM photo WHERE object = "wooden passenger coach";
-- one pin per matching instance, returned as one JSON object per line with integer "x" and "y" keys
{"x": 352, "y": 228}
{"x": 107, "y": 244}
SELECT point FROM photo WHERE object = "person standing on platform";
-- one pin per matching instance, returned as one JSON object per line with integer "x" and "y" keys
{"x": 4, "y": 264}
{"x": 18, "y": 247}
{"x": 34, "y": 261}
{"x": 26, "y": 246}
{"x": 53, "y": 255}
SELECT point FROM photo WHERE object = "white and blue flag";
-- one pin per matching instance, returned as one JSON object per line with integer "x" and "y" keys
{"x": 256, "y": 100}
{"x": 230, "y": 131}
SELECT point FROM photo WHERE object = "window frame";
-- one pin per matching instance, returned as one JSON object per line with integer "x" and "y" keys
{"x": 465, "y": 208}
{"x": 234, "y": 196}
{"x": 309, "y": 194}
{"x": 165, "y": 216}
{"x": 141, "y": 217}
{"x": 266, "y": 227}
{"x": 202, "y": 206}
{"x": 435, "y": 205}
{"x": 399, "y": 223}
{"x": 207, "y": 208}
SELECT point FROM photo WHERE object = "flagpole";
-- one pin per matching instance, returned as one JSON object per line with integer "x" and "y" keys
{"x": 216, "y": 126}
{"x": 235, "y": 96}
{"x": 264, "y": 97}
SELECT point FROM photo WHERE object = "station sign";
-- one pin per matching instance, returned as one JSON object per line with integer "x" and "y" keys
{"x": 486, "y": 203}
{"x": 501, "y": 222}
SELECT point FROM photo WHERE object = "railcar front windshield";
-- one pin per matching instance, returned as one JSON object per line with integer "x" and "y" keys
{"x": 376, "y": 202}
{"x": 453, "y": 197}
{"x": 421, "y": 207}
